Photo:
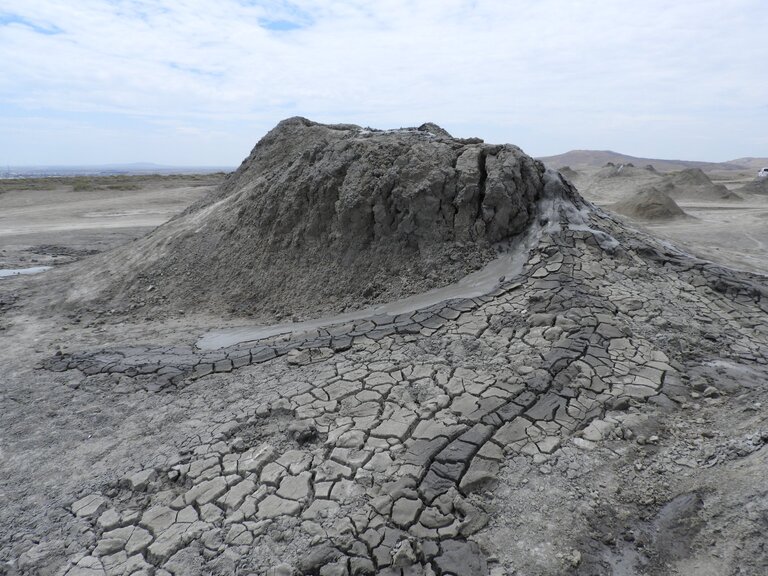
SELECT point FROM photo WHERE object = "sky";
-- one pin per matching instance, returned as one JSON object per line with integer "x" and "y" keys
{"x": 196, "y": 82}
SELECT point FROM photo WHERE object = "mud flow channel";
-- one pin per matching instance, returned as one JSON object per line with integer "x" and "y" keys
{"x": 508, "y": 265}
{"x": 479, "y": 283}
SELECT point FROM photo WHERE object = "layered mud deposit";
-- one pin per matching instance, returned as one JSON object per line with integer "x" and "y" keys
{"x": 322, "y": 218}
{"x": 598, "y": 411}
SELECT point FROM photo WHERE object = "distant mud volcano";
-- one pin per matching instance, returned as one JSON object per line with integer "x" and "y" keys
{"x": 649, "y": 203}
{"x": 757, "y": 186}
{"x": 325, "y": 218}
{"x": 689, "y": 185}
{"x": 627, "y": 171}
{"x": 693, "y": 184}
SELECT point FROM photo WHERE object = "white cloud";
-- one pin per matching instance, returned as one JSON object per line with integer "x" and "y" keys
{"x": 654, "y": 78}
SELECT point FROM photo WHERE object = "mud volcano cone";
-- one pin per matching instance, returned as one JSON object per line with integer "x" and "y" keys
{"x": 757, "y": 186}
{"x": 649, "y": 203}
{"x": 326, "y": 217}
{"x": 693, "y": 184}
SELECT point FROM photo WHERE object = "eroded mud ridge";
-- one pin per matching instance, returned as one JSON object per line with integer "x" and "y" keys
{"x": 389, "y": 446}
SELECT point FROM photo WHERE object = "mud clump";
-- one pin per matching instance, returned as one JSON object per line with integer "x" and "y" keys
{"x": 325, "y": 218}
{"x": 649, "y": 203}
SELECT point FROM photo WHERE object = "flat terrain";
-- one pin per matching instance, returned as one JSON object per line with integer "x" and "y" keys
{"x": 50, "y": 220}
{"x": 735, "y": 236}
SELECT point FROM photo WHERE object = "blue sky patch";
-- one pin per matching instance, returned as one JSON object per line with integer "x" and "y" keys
{"x": 282, "y": 15}
{"x": 280, "y": 25}
{"x": 195, "y": 71}
{"x": 47, "y": 29}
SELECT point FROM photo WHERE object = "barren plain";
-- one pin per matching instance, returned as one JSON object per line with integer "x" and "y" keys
{"x": 731, "y": 232}
{"x": 597, "y": 408}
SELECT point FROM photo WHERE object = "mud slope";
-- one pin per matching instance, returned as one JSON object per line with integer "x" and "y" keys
{"x": 322, "y": 218}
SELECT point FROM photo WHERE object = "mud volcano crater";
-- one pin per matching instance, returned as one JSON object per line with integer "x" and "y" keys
{"x": 323, "y": 218}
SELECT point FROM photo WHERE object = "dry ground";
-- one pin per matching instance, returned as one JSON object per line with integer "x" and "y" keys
{"x": 668, "y": 478}
{"x": 733, "y": 234}
{"x": 73, "y": 216}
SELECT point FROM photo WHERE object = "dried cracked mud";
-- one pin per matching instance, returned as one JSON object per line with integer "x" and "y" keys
{"x": 600, "y": 411}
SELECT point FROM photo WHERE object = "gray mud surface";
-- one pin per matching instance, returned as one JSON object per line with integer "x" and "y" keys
{"x": 601, "y": 411}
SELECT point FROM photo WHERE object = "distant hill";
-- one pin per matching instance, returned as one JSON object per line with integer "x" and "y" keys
{"x": 596, "y": 158}
{"x": 753, "y": 163}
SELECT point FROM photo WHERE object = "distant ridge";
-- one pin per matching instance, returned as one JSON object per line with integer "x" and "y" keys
{"x": 596, "y": 158}
{"x": 753, "y": 163}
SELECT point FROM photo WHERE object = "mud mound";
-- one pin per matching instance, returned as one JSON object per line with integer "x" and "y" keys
{"x": 628, "y": 171}
{"x": 693, "y": 184}
{"x": 615, "y": 182}
{"x": 757, "y": 186}
{"x": 649, "y": 204}
{"x": 326, "y": 217}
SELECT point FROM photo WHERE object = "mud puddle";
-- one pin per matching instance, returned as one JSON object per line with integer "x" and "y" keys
{"x": 19, "y": 271}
